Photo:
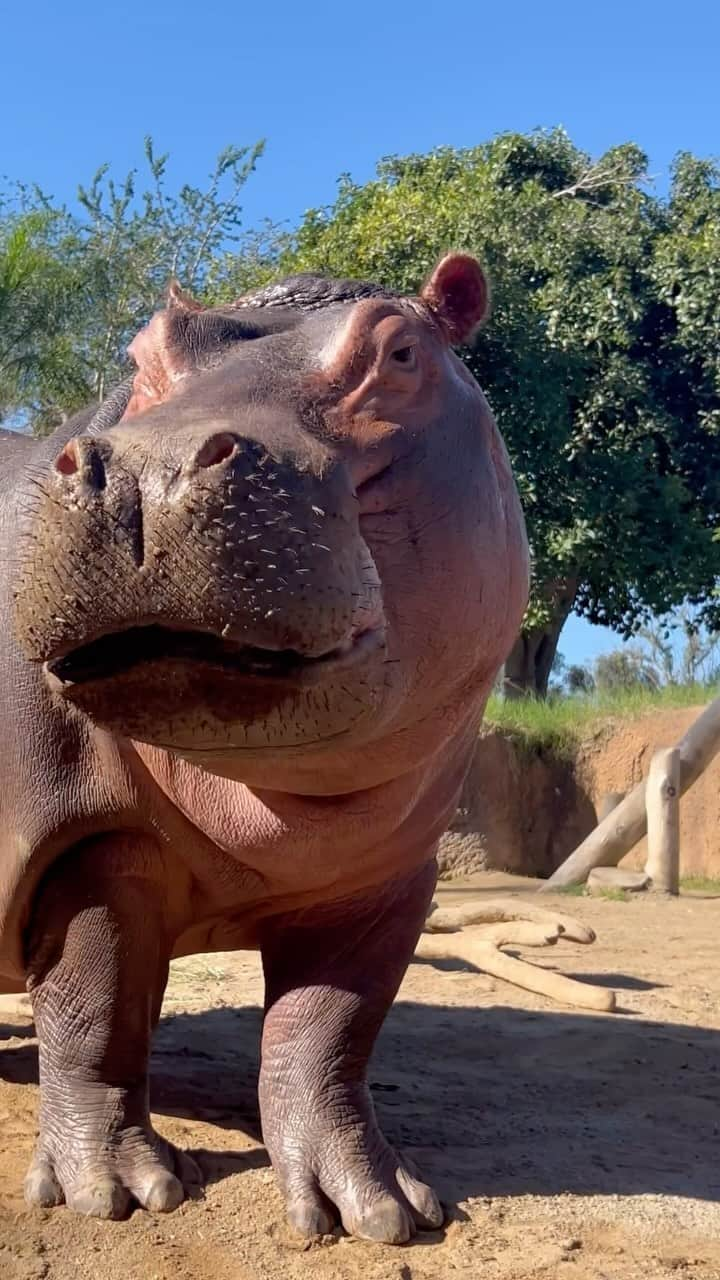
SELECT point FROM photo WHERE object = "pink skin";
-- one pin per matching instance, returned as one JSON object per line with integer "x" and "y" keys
{"x": 186, "y": 807}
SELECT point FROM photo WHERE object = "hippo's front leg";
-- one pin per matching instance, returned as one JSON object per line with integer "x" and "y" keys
{"x": 331, "y": 977}
{"x": 97, "y": 959}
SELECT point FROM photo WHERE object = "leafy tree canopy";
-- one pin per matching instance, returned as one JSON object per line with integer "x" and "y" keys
{"x": 77, "y": 286}
{"x": 601, "y": 360}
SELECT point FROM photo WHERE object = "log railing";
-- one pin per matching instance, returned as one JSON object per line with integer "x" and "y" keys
{"x": 619, "y": 831}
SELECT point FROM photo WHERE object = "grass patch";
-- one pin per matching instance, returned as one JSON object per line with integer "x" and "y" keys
{"x": 700, "y": 884}
{"x": 559, "y": 724}
{"x": 581, "y": 891}
{"x": 613, "y": 895}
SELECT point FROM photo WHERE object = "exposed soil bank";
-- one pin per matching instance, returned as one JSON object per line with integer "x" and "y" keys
{"x": 524, "y": 810}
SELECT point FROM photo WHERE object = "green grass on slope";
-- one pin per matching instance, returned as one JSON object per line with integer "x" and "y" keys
{"x": 559, "y": 724}
{"x": 708, "y": 886}
{"x": 701, "y": 884}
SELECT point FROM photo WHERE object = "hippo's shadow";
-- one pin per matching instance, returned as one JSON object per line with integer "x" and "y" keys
{"x": 24, "y": 1032}
{"x": 486, "y": 1100}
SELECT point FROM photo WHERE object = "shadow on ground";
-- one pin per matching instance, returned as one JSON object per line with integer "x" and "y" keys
{"x": 7, "y": 1032}
{"x": 489, "y": 1101}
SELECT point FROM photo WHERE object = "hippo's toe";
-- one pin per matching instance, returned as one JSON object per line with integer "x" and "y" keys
{"x": 103, "y": 1183}
{"x": 394, "y": 1214}
{"x": 356, "y": 1176}
{"x": 41, "y": 1186}
{"x": 379, "y": 1201}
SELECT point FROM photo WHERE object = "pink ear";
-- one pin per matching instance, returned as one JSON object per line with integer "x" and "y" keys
{"x": 457, "y": 293}
{"x": 160, "y": 354}
{"x": 178, "y": 299}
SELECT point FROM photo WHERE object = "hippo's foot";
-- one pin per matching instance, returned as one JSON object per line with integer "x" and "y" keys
{"x": 332, "y": 1160}
{"x": 99, "y": 1170}
{"x": 98, "y": 959}
{"x": 331, "y": 977}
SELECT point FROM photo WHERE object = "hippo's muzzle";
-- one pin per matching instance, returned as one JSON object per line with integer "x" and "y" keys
{"x": 118, "y": 652}
{"x": 201, "y": 589}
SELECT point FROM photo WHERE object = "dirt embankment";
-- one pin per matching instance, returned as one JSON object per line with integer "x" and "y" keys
{"x": 525, "y": 810}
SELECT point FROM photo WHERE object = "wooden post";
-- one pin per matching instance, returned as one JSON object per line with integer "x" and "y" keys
{"x": 608, "y": 843}
{"x": 662, "y": 800}
{"x": 609, "y": 802}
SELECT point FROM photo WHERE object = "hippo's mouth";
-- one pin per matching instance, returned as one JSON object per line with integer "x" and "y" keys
{"x": 115, "y": 654}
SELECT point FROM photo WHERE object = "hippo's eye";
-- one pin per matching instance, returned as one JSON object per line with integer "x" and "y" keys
{"x": 406, "y": 356}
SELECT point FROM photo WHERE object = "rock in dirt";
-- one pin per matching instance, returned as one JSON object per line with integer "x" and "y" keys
{"x": 620, "y": 878}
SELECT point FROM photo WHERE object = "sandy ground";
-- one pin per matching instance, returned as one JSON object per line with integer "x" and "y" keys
{"x": 565, "y": 1145}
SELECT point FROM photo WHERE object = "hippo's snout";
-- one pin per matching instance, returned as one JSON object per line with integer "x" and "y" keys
{"x": 201, "y": 566}
{"x": 87, "y": 458}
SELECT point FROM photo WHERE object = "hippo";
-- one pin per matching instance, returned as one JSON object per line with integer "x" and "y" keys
{"x": 255, "y": 603}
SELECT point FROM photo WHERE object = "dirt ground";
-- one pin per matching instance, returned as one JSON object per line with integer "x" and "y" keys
{"x": 565, "y": 1145}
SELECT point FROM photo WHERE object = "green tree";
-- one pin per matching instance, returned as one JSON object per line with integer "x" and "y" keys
{"x": 79, "y": 285}
{"x": 36, "y": 305}
{"x": 626, "y": 669}
{"x": 693, "y": 661}
{"x": 586, "y": 361}
{"x": 579, "y": 679}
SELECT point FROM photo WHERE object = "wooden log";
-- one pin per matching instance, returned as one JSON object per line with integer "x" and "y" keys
{"x": 519, "y": 933}
{"x": 490, "y": 959}
{"x": 621, "y": 830}
{"x": 608, "y": 803}
{"x": 662, "y": 802}
{"x": 505, "y": 910}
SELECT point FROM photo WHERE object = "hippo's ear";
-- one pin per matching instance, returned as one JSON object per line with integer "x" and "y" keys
{"x": 457, "y": 294}
{"x": 178, "y": 299}
{"x": 160, "y": 351}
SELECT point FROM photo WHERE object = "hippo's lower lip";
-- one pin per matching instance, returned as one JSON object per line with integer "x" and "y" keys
{"x": 115, "y": 654}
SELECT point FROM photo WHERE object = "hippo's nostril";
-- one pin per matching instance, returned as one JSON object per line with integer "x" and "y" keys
{"x": 81, "y": 457}
{"x": 217, "y": 449}
{"x": 67, "y": 462}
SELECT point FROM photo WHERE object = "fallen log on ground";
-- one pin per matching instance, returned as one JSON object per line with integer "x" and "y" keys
{"x": 476, "y": 933}
{"x": 502, "y": 911}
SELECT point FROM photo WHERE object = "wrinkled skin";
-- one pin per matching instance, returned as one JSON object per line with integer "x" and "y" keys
{"x": 254, "y": 609}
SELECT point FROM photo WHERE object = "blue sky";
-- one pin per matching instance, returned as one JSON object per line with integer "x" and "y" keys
{"x": 333, "y": 87}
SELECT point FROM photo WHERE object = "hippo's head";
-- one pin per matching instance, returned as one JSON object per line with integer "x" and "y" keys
{"x": 301, "y": 533}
